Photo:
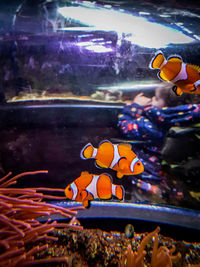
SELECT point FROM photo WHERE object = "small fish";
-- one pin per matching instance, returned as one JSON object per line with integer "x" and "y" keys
{"x": 118, "y": 157}
{"x": 184, "y": 77}
{"x": 90, "y": 186}
{"x": 147, "y": 187}
{"x": 129, "y": 231}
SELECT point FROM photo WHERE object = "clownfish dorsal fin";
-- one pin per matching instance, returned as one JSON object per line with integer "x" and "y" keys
{"x": 175, "y": 58}
{"x": 84, "y": 173}
{"x": 123, "y": 163}
{"x": 104, "y": 141}
{"x": 100, "y": 164}
{"x": 126, "y": 145}
{"x": 157, "y": 61}
{"x": 195, "y": 67}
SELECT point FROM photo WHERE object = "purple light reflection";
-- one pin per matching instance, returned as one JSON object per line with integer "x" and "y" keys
{"x": 99, "y": 49}
{"x": 141, "y": 31}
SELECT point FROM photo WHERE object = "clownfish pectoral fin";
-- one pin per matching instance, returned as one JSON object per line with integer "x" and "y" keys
{"x": 86, "y": 204}
{"x": 84, "y": 194}
{"x": 99, "y": 164}
{"x": 162, "y": 76}
{"x": 157, "y": 61}
{"x": 123, "y": 163}
{"x": 175, "y": 58}
{"x": 120, "y": 175}
{"x": 177, "y": 90}
{"x": 86, "y": 197}
{"x": 193, "y": 89}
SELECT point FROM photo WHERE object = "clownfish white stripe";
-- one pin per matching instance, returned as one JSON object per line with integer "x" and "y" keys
{"x": 163, "y": 64}
{"x": 94, "y": 153}
{"x": 116, "y": 156}
{"x": 92, "y": 187}
{"x": 75, "y": 190}
{"x": 114, "y": 189}
{"x": 134, "y": 161}
{"x": 182, "y": 75}
{"x": 197, "y": 83}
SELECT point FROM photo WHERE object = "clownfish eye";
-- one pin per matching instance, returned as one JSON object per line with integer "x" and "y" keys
{"x": 69, "y": 189}
{"x": 138, "y": 164}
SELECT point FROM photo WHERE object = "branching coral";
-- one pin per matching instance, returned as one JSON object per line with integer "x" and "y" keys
{"x": 19, "y": 229}
{"x": 161, "y": 256}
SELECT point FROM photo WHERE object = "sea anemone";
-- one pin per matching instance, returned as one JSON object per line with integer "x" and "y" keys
{"x": 161, "y": 256}
{"x": 20, "y": 230}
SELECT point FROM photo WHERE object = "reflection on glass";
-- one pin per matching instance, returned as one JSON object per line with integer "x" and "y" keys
{"x": 101, "y": 101}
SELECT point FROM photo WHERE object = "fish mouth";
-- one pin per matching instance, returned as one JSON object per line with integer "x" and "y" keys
{"x": 140, "y": 165}
{"x": 141, "y": 169}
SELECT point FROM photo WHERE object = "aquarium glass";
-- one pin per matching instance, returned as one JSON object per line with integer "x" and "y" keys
{"x": 121, "y": 75}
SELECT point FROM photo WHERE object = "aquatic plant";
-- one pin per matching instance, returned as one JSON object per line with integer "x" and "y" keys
{"x": 20, "y": 231}
{"x": 161, "y": 256}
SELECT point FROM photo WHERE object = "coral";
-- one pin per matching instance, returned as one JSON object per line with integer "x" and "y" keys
{"x": 161, "y": 256}
{"x": 20, "y": 231}
{"x": 96, "y": 247}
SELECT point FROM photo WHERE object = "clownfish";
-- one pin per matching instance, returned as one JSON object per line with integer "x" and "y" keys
{"x": 184, "y": 77}
{"x": 118, "y": 157}
{"x": 90, "y": 186}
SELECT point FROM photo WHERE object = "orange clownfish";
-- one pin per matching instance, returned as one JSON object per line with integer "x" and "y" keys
{"x": 184, "y": 77}
{"x": 118, "y": 157}
{"x": 90, "y": 186}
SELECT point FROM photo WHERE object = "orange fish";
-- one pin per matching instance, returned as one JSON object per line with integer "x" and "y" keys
{"x": 90, "y": 186}
{"x": 184, "y": 77}
{"x": 118, "y": 157}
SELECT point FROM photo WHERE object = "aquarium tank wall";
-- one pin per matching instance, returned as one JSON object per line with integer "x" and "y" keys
{"x": 103, "y": 97}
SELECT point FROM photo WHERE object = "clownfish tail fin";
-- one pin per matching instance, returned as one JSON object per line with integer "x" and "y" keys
{"x": 119, "y": 192}
{"x": 157, "y": 61}
{"x": 87, "y": 151}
